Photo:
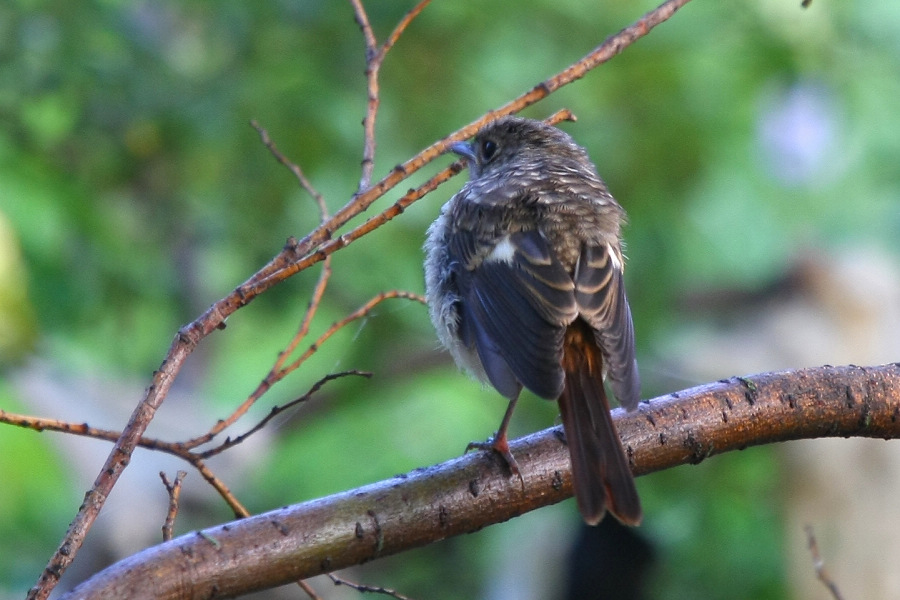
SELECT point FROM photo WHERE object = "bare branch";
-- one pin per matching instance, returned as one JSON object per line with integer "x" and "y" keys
{"x": 313, "y": 306}
{"x": 470, "y": 492}
{"x": 362, "y": 19}
{"x": 279, "y": 372}
{"x": 274, "y": 373}
{"x": 293, "y": 167}
{"x": 359, "y": 313}
{"x": 181, "y": 450}
{"x": 359, "y": 587}
{"x": 276, "y": 410}
{"x": 374, "y": 59}
{"x": 118, "y": 459}
{"x": 309, "y": 590}
{"x": 224, "y": 491}
{"x": 819, "y": 564}
{"x": 401, "y": 27}
{"x": 373, "y": 64}
{"x": 173, "y": 448}
{"x": 174, "y": 490}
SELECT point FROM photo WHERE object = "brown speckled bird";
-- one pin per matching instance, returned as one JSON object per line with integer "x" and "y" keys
{"x": 523, "y": 277}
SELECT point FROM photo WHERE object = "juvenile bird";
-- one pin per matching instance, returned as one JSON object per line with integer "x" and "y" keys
{"x": 523, "y": 277}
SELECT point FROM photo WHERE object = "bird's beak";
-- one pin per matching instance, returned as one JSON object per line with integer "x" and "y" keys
{"x": 465, "y": 150}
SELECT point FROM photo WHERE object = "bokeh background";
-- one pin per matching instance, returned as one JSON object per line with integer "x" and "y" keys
{"x": 755, "y": 146}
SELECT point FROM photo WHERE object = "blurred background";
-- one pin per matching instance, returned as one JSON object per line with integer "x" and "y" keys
{"x": 755, "y": 146}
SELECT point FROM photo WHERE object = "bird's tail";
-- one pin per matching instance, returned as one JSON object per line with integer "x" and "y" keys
{"x": 600, "y": 471}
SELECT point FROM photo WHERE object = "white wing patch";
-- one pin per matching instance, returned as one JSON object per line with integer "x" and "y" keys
{"x": 504, "y": 251}
{"x": 614, "y": 257}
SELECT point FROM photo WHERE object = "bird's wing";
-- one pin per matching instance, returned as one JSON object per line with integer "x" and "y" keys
{"x": 515, "y": 302}
{"x": 601, "y": 301}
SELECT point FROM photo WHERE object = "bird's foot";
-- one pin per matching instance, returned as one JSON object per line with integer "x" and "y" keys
{"x": 500, "y": 445}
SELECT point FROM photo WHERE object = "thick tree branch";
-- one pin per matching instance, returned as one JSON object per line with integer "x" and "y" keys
{"x": 470, "y": 492}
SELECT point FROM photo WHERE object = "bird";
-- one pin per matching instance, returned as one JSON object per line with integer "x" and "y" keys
{"x": 524, "y": 283}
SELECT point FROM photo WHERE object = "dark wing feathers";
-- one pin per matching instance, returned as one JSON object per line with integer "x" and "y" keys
{"x": 532, "y": 346}
{"x": 516, "y": 305}
{"x": 514, "y": 310}
{"x": 495, "y": 366}
{"x": 600, "y": 294}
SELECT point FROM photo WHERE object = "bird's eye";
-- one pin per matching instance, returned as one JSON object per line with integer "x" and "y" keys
{"x": 488, "y": 150}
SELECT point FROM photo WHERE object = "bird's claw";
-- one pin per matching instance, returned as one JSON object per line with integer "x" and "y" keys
{"x": 500, "y": 445}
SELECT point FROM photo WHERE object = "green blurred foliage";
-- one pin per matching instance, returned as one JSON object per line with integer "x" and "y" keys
{"x": 137, "y": 194}
{"x": 37, "y": 496}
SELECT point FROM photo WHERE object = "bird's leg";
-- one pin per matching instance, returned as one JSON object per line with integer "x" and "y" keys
{"x": 500, "y": 444}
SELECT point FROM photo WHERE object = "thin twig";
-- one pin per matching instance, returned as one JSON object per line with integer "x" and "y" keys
{"x": 280, "y": 372}
{"x": 309, "y": 590}
{"x": 273, "y": 376}
{"x": 359, "y": 313}
{"x": 374, "y": 59}
{"x": 173, "y": 448}
{"x": 283, "y": 259}
{"x": 401, "y": 27}
{"x": 293, "y": 167}
{"x": 174, "y": 490}
{"x": 85, "y": 430}
{"x": 276, "y": 410}
{"x": 177, "y": 449}
{"x": 119, "y": 457}
{"x": 183, "y": 450}
{"x": 373, "y": 64}
{"x": 402, "y": 204}
{"x": 312, "y": 307}
{"x": 239, "y": 510}
{"x": 314, "y": 303}
{"x": 819, "y": 564}
{"x": 359, "y": 587}
{"x": 362, "y": 19}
